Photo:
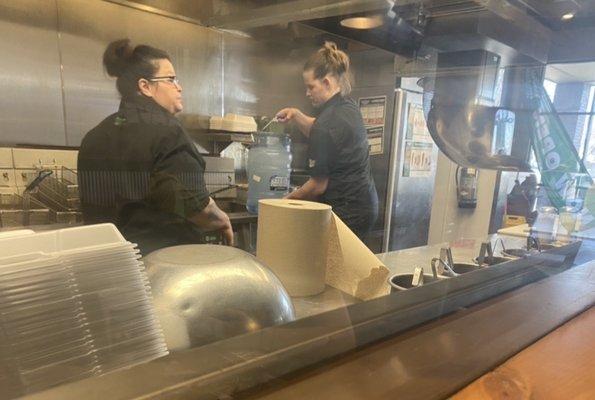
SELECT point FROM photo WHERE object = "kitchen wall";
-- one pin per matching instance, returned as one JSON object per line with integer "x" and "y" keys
{"x": 31, "y": 102}
{"x": 449, "y": 222}
{"x": 55, "y": 88}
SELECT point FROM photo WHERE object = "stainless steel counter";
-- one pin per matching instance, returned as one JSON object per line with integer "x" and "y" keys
{"x": 328, "y": 300}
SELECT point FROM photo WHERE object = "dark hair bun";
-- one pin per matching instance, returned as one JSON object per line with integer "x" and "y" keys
{"x": 117, "y": 57}
{"x": 129, "y": 64}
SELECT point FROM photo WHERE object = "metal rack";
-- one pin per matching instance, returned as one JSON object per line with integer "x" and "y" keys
{"x": 19, "y": 211}
{"x": 218, "y": 140}
{"x": 60, "y": 193}
{"x": 62, "y": 187}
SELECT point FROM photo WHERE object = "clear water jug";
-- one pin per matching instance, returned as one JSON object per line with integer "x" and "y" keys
{"x": 269, "y": 168}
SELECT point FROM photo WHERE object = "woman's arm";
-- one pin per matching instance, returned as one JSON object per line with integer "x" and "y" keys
{"x": 303, "y": 121}
{"x": 311, "y": 190}
{"x": 172, "y": 192}
{"x": 211, "y": 218}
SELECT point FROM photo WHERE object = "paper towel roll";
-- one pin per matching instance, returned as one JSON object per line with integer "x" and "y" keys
{"x": 293, "y": 241}
{"x": 307, "y": 245}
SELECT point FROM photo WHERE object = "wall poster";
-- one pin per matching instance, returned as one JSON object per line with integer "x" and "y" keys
{"x": 419, "y": 144}
{"x": 373, "y": 111}
{"x": 417, "y": 130}
{"x": 418, "y": 159}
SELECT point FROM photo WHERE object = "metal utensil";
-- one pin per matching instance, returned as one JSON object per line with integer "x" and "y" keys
{"x": 485, "y": 251}
{"x": 446, "y": 255}
{"x": 434, "y": 270}
{"x": 501, "y": 241}
{"x": 223, "y": 189}
{"x": 418, "y": 277}
{"x": 533, "y": 243}
{"x": 447, "y": 270}
{"x": 268, "y": 123}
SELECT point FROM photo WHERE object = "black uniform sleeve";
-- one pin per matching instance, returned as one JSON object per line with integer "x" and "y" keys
{"x": 177, "y": 181}
{"x": 319, "y": 152}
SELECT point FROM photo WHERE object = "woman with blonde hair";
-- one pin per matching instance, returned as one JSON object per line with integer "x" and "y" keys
{"x": 338, "y": 155}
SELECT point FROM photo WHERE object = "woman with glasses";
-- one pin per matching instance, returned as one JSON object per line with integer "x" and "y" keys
{"x": 138, "y": 168}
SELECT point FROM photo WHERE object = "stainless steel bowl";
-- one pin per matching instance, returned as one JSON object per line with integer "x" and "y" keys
{"x": 205, "y": 293}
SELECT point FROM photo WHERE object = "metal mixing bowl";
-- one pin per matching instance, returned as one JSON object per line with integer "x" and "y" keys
{"x": 205, "y": 293}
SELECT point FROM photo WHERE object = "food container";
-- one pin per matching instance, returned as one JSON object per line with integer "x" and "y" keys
{"x": 402, "y": 282}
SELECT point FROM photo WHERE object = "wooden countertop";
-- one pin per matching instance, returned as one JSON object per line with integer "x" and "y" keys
{"x": 439, "y": 358}
{"x": 559, "y": 366}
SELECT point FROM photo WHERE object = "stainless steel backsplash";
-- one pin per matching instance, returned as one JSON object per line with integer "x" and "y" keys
{"x": 56, "y": 89}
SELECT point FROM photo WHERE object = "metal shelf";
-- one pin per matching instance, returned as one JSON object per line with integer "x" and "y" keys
{"x": 219, "y": 140}
{"x": 220, "y": 136}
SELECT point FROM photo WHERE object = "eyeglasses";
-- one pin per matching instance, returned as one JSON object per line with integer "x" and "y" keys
{"x": 171, "y": 79}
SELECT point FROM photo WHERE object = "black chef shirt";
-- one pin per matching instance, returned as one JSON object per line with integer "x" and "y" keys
{"x": 338, "y": 150}
{"x": 139, "y": 170}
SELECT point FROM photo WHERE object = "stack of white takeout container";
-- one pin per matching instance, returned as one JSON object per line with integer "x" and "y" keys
{"x": 74, "y": 303}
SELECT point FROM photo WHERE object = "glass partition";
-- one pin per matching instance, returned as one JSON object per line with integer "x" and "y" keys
{"x": 393, "y": 155}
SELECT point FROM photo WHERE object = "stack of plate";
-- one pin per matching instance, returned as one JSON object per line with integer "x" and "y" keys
{"x": 73, "y": 303}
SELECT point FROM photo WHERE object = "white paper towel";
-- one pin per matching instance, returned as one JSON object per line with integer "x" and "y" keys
{"x": 307, "y": 245}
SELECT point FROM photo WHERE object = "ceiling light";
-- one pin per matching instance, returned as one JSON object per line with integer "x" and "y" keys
{"x": 568, "y": 16}
{"x": 363, "y": 22}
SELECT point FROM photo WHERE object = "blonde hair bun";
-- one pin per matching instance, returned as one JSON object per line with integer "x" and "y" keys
{"x": 337, "y": 58}
{"x": 329, "y": 60}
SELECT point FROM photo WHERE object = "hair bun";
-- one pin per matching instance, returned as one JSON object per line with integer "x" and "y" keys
{"x": 117, "y": 56}
{"x": 330, "y": 47}
{"x": 336, "y": 58}
{"x": 330, "y": 60}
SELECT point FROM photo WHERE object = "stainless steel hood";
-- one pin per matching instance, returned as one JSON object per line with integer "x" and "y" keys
{"x": 517, "y": 30}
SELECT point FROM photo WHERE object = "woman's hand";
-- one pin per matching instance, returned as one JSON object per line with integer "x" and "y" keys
{"x": 287, "y": 114}
{"x": 311, "y": 190}
{"x": 303, "y": 121}
{"x": 211, "y": 218}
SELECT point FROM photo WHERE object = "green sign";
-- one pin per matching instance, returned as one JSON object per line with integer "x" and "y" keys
{"x": 562, "y": 171}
